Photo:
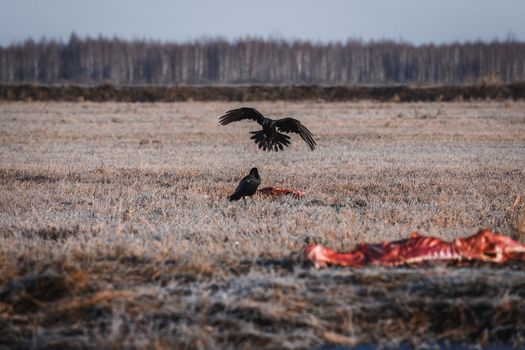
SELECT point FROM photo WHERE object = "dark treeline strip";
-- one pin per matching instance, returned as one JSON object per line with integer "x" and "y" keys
{"x": 108, "y": 92}
{"x": 256, "y": 61}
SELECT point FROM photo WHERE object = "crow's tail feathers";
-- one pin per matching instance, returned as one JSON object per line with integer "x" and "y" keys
{"x": 234, "y": 197}
{"x": 274, "y": 143}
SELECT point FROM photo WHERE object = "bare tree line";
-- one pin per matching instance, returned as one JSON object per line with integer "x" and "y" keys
{"x": 258, "y": 61}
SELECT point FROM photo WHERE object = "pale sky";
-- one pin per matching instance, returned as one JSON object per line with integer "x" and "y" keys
{"x": 417, "y": 21}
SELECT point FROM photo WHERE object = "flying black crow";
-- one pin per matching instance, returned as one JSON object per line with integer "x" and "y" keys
{"x": 269, "y": 138}
{"x": 247, "y": 186}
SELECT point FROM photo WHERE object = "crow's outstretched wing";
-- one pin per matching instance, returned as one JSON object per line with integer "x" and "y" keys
{"x": 241, "y": 114}
{"x": 293, "y": 125}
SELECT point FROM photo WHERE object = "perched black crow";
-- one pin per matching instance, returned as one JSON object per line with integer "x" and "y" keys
{"x": 269, "y": 138}
{"x": 247, "y": 186}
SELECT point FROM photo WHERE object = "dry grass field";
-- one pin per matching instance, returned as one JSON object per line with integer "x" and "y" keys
{"x": 115, "y": 231}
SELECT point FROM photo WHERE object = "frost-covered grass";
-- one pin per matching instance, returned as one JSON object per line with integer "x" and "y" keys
{"x": 122, "y": 209}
